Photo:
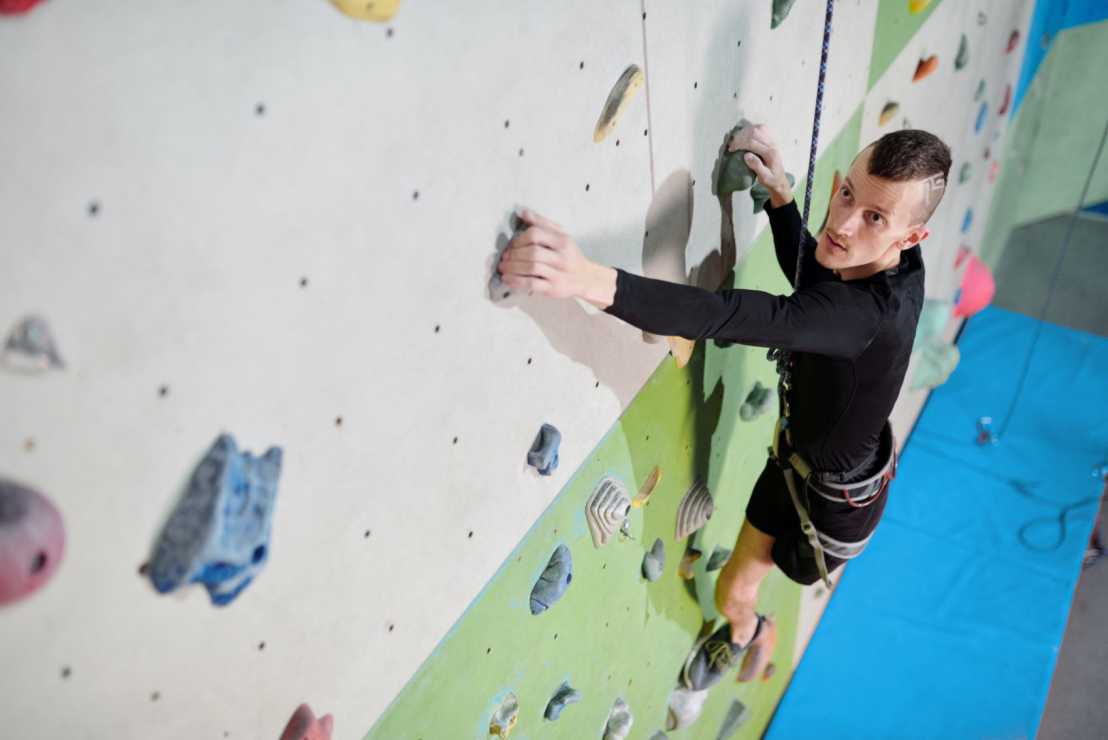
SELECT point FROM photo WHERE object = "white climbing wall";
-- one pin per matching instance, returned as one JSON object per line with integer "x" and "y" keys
{"x": 259, "y": 249}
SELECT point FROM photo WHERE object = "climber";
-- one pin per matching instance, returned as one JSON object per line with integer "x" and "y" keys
{"x": 849, "y": 327}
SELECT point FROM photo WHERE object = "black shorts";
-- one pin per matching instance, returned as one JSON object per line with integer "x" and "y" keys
{"x": 771, "y": 510}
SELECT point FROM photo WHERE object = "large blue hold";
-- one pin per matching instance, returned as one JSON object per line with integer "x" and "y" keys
{"x": 218, "y": 534}
{"x": 553, "y": 582}
{"x": 543, "y": 454}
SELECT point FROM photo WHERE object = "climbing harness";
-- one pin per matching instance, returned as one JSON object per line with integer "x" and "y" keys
{"x": 831, "y": 486}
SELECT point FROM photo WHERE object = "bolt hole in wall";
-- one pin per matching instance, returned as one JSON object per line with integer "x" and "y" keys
{"x": 259, "y": 109}
{"x": 163, "y": 391}
{"x": 94, "y": 208}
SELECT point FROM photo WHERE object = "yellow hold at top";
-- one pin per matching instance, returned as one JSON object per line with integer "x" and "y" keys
{"x": 368, "y": 10}
{"x": 917, "y": 6}
{"x": 623, "y": 92}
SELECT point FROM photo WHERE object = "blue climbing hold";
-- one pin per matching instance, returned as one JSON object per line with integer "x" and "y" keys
{"x": 553, "y": 582}
{"x": 218, "y": 534}
{"x": 967, "y": 221}
{"x": 981, "y": 111}
{"x": 544, "y": 451}
{"x": 564, "y": 696}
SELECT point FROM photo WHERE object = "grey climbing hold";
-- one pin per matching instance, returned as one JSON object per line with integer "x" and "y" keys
{"x": 734, "y": 173}
{"x": 965, "y": 173}
{"x": 563, "y": 697}
{"x": 654, "y": 561}
{"x": 781, "y": 10}
{"x": 980, "y": 92}
{"x": 694, "y": 510}
{"x": 659, "y": 735}
{"x": 218, "y": 534}
{"x": 620, "y": 720}
{"x": 606, "y": 510}
{"x": 757, "y": 402}
{"x": 961, "y": 59}
{"x": 31, "y": 346}
{"x": 505, "y": 717}
{"x": 719, "y": 556}
{"x": 553, "y": 582}
{"x": 759, "y": 193}
{"x": 543, "y": 455}
{"x": 737, "y": 715}
{"x": 684, "y": 707}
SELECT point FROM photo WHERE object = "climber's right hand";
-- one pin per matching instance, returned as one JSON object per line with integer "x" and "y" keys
{"x": 764, "y": 159}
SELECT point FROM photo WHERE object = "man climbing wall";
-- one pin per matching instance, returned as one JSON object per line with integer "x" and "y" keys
{"x": 848, "y": 326}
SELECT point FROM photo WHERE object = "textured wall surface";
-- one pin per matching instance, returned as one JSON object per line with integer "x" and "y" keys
{"x": 273, "y": 220}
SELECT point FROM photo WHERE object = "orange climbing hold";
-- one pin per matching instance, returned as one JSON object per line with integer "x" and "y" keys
{"x": 926, "y": 67}
{"x": 917, "y": 6}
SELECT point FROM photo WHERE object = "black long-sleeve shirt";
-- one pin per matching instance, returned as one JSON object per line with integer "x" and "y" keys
{"x": 850, "y": 340}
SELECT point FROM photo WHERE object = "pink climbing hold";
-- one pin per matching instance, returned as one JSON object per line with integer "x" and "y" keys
{"x": 994, "y": 169}
{"x": 16, "y": 7}
{"x": 978, "y": 286}
{"x": 303, "y": 725}
{"x": 32, "y": 541}
{"x": 1005, "y": 102}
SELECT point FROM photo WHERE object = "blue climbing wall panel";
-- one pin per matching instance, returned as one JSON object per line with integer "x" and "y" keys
{"x": 950, "y": 624}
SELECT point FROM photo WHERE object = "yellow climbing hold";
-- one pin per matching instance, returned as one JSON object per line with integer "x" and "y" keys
{"x": 623, "y": 92}
{"x": 887, "y": 113}
{"x": 648, "y": 487}
{"x": 681, "y": 349}
{"x": 918, "y": 6}
{"x": 368, "y": 10}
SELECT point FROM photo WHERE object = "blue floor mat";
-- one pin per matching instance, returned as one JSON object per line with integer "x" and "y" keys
{"x": 948, "y": 626}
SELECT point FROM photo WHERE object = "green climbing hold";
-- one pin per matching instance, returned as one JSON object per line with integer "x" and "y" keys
{"x": 932, "y": 322}
{"x": 962, "y": 58}
{"x": 781, "y": 10}
{"x": 760, "y": 194}
{"x": 965, "y": 173}
{"x": 936, "y": 362}
{"x": 734, "y": 173}
{"x": 980, "y": 91}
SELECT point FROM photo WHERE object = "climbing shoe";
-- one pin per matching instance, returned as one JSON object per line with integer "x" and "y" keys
{"x": 714, "y": 655}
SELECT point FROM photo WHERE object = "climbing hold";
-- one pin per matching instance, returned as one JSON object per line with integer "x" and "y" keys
{"x": 925, "y": 67}
{"x": 681, "y": 349}
{"x": 961, "y": 59}
{"x": 734, "y": 173}
{"x": 1005, "y": 101}
{"x": 985, "y": 433}
{"x": 684, "y": 707}
{"x": 1013, "y": 41}
{"x": 218, "y": 534}
{"x": 647, "y": 488}
{"x": 985, "y": 154}
{"x": 758, "y": 401}
{"x": 694, "y": 510}
{"x": 15, "y": 7}
{"x": 887, "y": 113}
{"x": 543, "y": 455}
{"x": 936, "y": 362}
{"x": 619, "y": 721}
{"x": 505, "y": 717}
{"x": 759, "y": 193}
{"x": 32, "y": 540}
{"x": 606, "y": 510}
{"x": 994, "y": 168}
{"x": 563, "y": 697}
{"x": 781, "y": 10}
{"x": 967, "y": 221}
{"x": 932, "y": 321}
{"x": 977, "y": 287}
{"x": 659, "y": 735}
{"x": 303, "y": 725}
{"x": 981, "y": 18}
{"x": 654, "y": 561}
{"x": 965, "y": 172}
{"x": 553, "y": 582}
{"x": 371, "y": 10}
{"x": 688, "y": 562}
{"x": 719, "y": 556}
{"x": 623, "y": 92}
{"x": 917, "y": 6}
{"x": 737, "y": 715}
{"x": 31, "y": 347}
{"x": 981, "y": 111}
{"x": 980, "y": 91}
{"x": 770, "y": 669}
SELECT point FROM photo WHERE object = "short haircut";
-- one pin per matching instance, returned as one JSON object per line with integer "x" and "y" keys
{"x": 913, "y": 154}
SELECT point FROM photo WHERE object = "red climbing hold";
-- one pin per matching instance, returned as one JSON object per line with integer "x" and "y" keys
{"x": 32, "y": 541}
{"x": 1013, "y": 41}
{"x": 303, "y": 725}
{"x": 1005, "y": 102}
{"x": 15, "y": 7}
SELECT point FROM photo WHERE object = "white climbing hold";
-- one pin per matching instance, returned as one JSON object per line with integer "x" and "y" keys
{"x": 505, "y": 717}
{"x": 619, "y": 721}
{"x": 606, "y": 510}
{"x": 694, "y": 511}
{"x": 684, "y": 707}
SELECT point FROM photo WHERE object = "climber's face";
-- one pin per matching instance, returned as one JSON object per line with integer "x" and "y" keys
{"x": 871, "y": 220}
